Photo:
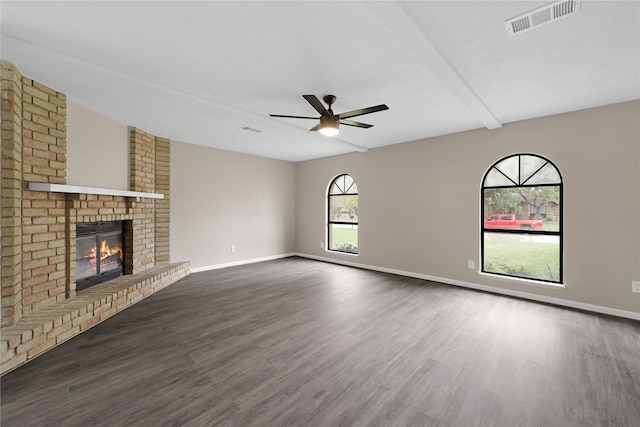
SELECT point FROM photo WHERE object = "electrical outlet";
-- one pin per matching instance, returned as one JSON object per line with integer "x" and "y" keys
{"x": 321, "y": 245}
{"x": 471, "y": 264}
{"x": 233, "y": 248}
{"x": 635, "y": 286}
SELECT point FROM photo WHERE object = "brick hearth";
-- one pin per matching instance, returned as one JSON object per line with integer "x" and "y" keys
{"x": 38, "y": 331}
{"x": 40, "y": 306}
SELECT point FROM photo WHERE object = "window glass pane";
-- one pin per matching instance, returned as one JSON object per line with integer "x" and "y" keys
{"x": 347, "y": 183}
{"x": 335, "y": 189}
{"x": 522, "y": 208}
{"x": 528, "y": 256}
{"x": 496, "y": 179}
{"x": 343, "y": 208}
{"x": 510, "y": 167}
{"x": 86, "y": 259}
{"x": 529, "y": 165}
{"x": 547, "y": 175}
{"x": 343, "y": 237}
{"x": 344, "y": 184}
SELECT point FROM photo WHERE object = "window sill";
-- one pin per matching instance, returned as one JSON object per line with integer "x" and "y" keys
{"x": 529, "y": 282}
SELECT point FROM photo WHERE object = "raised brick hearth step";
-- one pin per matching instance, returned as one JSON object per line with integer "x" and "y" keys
{"x": 41, "y": 330}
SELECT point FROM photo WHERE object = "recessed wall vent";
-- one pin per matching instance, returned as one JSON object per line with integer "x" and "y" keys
{"x": 544, "y": 15}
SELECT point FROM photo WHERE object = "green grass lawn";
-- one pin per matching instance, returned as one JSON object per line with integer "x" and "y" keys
{"x": 527, "y": 259}
{"x": 342, "y": 236}
{"x": 551, "y": 226}
{"x": 511, "y": 255}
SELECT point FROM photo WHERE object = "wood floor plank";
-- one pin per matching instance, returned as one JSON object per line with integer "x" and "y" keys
{"x": 305, "y": 343}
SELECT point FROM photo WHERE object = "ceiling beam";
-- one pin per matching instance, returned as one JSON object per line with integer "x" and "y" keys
{"x": 400, "y": 21}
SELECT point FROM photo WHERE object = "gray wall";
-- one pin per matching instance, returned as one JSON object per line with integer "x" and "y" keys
{"x": 220, "y": 198}
{"x": 92, "y": 137}
{"x": 420, "y": 202}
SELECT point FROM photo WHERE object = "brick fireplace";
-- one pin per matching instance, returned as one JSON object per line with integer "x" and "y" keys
{"x": 39, "y": 226}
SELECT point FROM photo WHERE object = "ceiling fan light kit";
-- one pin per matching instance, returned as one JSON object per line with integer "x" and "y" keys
{"x": 329, "y": 125}
{"x": 329, "y": 122}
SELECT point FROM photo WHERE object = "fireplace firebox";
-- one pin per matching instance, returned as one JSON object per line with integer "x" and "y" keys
{"x": 99, "y": 252}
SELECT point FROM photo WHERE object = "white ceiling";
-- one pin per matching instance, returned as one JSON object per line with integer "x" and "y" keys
{"x": 200, "y": 71}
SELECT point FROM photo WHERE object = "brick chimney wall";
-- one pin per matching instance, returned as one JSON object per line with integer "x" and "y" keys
{"x": 11, "y": 193}
{"x": 38, "y": 228}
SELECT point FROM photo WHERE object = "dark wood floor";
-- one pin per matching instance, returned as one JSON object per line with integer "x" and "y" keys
{"x": 305, "y": 343}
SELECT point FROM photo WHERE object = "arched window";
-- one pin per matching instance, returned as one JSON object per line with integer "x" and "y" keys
{"x": 522, "y": 218}
{"x": 342, "y": 215}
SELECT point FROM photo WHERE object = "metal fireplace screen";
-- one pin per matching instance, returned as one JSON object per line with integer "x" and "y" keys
{"x": 99, "y": 252}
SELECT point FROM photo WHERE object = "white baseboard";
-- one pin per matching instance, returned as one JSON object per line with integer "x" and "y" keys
{"x": 509, "y": 292}
{"x": 243, "y": 262}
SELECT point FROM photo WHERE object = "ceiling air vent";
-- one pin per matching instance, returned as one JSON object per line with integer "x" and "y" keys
{"x": 544, "y": 15}
{"x": 249, "y": 129}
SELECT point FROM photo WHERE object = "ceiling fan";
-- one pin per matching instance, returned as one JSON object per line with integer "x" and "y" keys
{"x": 328, "y": 121}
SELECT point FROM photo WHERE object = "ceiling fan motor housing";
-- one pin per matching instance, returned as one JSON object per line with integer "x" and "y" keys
{"x": 329, "y": 99}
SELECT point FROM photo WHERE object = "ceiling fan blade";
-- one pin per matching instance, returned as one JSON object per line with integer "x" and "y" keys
{"x": 293, "y": 117}
{"x": 315, "y": 103}
{"x": 356, "y": 124}
{"x": 316, "y": 127}
{"x": 362, "y": 111}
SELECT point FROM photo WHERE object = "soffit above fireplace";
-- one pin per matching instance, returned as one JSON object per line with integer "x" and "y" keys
{"x": 75, "y": 189}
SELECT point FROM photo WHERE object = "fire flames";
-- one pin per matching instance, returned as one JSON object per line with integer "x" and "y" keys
{"x": 105, "y": 251}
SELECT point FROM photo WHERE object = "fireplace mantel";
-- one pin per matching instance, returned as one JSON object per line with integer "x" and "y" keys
{"x": 76, "y": 189}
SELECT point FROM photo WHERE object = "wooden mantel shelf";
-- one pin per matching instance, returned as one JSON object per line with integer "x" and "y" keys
{"x": 76, "y": 189}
